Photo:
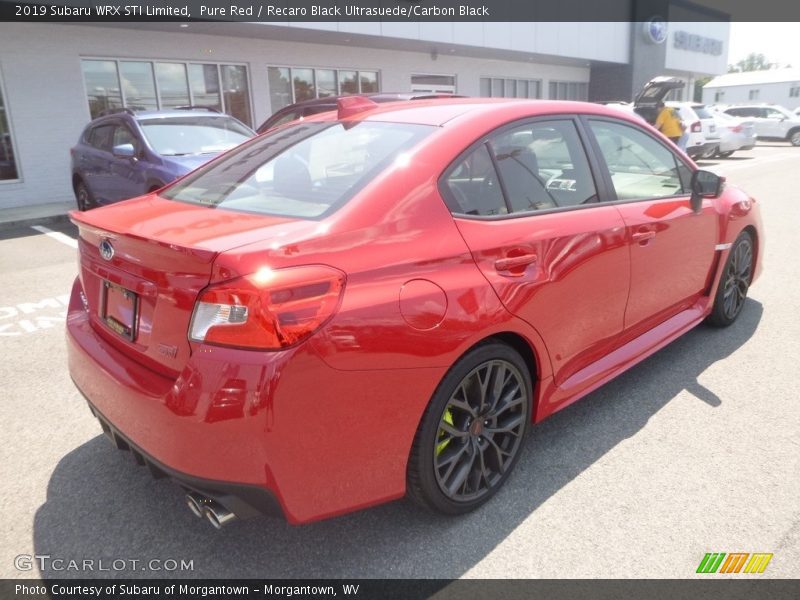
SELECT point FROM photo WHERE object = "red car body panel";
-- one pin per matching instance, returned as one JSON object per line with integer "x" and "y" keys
{"x": 326, "y": 426}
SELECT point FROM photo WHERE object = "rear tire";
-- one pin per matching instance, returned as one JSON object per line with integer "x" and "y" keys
{"x": 83, "y": 197}
{"x": 734, "y": 283}
{"x": 727, "y": 154}
{"x": 709, "y": 153}
{"x": 794, "y": 137}
{"x": 472, "y": 432}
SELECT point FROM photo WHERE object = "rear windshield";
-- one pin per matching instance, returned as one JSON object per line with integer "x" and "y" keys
{"x": 306, "y": 170}
{"x": 702, "y": 112}
{"x": 180, "y": 136}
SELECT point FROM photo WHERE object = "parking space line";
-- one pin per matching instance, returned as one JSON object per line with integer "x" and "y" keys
{"x": 56, "y": 235}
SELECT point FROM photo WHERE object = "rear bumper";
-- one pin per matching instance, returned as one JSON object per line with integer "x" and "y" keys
{"x": 244, "y": 501}
{"x": 735, "y": 144}
{"x": 248, "y": 427}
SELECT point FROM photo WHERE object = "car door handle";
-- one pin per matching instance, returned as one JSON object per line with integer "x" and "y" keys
{"x": 643, "y": 236}
{"x": 506, "y": 264}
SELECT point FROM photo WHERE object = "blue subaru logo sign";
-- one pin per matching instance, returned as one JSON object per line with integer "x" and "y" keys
{"x": 106, "y": 250}
{"x": 655, "y": 30}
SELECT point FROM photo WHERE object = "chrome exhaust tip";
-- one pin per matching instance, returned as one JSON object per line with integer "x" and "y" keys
{"x": 218, "y": 515}
{"x": 196, "y": 502}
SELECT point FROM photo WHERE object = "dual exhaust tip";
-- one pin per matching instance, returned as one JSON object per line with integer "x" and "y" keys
{"x": 213, "y": 511}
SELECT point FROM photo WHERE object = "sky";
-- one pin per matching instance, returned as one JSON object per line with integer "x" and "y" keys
{"x": 779, "y": 42}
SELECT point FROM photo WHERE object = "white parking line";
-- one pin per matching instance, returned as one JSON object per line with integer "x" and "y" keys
{"x": 56, "y": 235}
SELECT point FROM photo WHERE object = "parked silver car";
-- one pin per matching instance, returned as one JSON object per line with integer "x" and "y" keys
{"x": 772, "y": 122}
{"x": 734, "y": 133}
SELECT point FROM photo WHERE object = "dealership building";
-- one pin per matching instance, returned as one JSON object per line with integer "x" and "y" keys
{"x": 55, "y": 77}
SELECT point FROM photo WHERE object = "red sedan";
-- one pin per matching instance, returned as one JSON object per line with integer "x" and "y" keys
{"x": 380, "y": 302}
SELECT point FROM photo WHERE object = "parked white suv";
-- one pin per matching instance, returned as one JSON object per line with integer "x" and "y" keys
{"x": 702, "y": 141}
{"x": 701, "y": 127}
{"x": 772, "y": 122}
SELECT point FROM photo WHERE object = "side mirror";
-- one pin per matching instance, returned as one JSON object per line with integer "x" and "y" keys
{"x": 124, "y": 151}
{"x": 704, "y": 184}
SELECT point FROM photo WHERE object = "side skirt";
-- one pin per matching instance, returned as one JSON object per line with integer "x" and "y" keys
{"x": 591, "y": 377}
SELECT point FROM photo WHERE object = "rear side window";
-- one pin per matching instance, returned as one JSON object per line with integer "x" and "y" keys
{"x": 474, "y": 186}
{"x": 100, "y": 137}
{"x": 536, "y": 166}
{"x": 744, "y": 112}
{"x": 306, "y": 170}
{"x": 639, "y": 165}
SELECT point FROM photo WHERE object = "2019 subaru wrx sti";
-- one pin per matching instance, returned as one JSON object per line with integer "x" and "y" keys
{"x": 380, "y": 301}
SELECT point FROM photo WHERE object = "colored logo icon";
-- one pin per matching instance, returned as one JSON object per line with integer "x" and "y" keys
{"x": 735, "y": 562}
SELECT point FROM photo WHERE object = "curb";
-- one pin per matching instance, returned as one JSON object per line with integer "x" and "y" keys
{"x": 31, "y": 221}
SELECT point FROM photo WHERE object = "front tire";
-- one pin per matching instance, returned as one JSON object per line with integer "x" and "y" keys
{"x": 472, "y": 432}
{"x": 794, "y": 137}
{"x": 734, "y": 283}
{"x": 727, "y": 154}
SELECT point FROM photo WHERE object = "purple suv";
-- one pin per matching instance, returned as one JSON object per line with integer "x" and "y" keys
{"x": 126, "y": 154}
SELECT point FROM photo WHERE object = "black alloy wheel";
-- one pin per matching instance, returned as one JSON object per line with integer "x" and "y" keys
{"x": 735, "y": 282}
{"x": 471, "y": 435}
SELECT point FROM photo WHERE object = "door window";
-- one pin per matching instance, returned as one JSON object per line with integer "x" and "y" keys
{"x": 123, "y": 135}
{"x": 639, "y": 165}
{"x": 536, "y": 166}
{"x": 542, "y": 165}
{"x": 774, "y": 114}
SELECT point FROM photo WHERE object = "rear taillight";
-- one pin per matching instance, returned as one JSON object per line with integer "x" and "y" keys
{"x": 268, "y": 310}
{"x": 697, "y": 127}
{"x": 736, "y": 128}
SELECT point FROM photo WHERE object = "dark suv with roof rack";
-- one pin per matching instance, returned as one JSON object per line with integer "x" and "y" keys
{"x": 315, "y": 106}
{"x": 123, "y": 154}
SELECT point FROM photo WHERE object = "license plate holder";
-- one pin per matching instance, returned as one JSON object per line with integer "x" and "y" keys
{"x": 119, "y": 309}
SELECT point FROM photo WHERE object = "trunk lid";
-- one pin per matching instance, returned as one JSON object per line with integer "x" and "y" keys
{"x": 143, "y": 263}
{"x": 654, "y": 91}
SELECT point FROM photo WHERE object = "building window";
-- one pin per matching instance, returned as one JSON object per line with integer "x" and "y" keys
{"x": 719, "y": 96}
{"x": 433, "y": 84}
{"x": 8, "y": 162}
{"x": 794, "y": 91}
{"x": 154, "y": 85}
{"x": 569, "y": 90}
{"x": 495, "y": 87}
{"x": 368, "y": 80}
{"x": 753, "y": 95}
{"x": 288, "y": 85}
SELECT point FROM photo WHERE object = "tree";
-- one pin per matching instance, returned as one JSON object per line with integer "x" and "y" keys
{"x": 754, "y": 61}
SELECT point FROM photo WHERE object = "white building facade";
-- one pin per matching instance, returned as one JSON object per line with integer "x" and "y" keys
{"x": 775, "y": 86}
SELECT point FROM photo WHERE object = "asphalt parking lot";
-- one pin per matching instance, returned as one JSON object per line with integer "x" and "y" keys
{"x": 695, "y": 450}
